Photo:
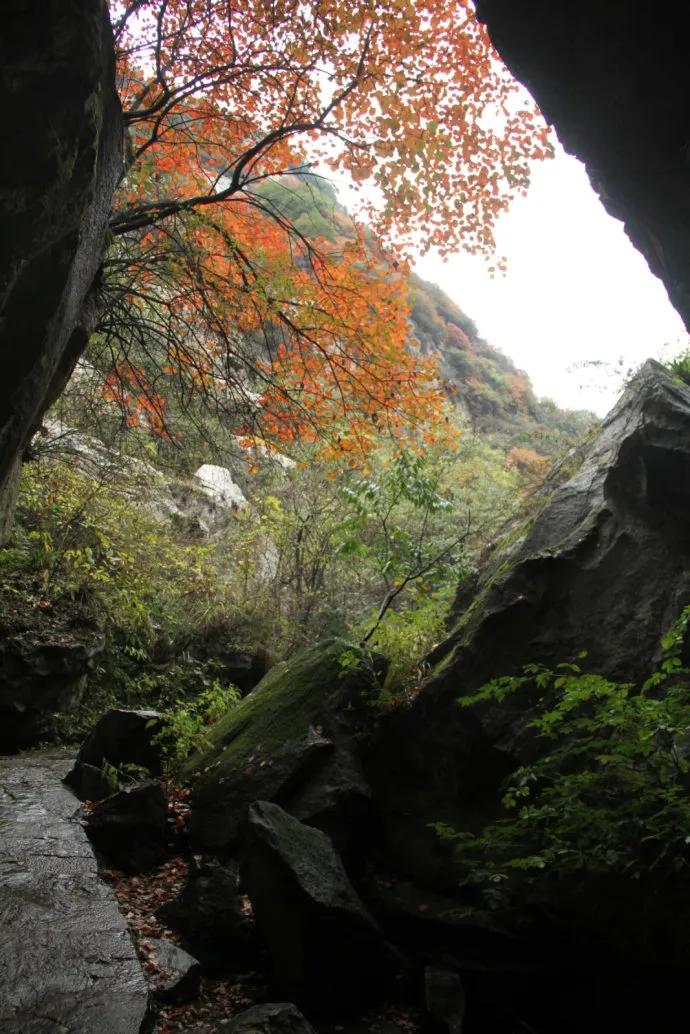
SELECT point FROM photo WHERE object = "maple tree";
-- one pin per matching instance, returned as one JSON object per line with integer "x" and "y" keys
{"x": 211, "y": 287}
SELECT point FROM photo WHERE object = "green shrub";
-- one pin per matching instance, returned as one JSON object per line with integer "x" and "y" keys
{"x": 680, "y": 366}
{"x": 608, "y": 795}
{"x": 406, "y": 637}
{"x": 186, "y": 726}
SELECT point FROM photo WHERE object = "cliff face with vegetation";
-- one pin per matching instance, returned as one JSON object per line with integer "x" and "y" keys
{"x": 59, "y": 166}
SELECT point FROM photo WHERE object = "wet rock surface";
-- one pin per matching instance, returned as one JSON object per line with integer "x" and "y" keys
{"x": 67, "y": 962}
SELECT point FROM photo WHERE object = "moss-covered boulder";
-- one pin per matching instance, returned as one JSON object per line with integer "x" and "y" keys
{"x": 281, "y": 741}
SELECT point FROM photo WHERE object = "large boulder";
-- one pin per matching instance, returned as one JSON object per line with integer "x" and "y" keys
{"x": 220, "y": 485}
{"x": 305, "y": 714}
{"x": 59, "y": 164}
{"x": 328, "y": 955}
{"x": 603, "y": 567}
{"x": 119, "y": 738}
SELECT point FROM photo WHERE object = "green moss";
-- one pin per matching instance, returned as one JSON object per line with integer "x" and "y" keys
{"x": 285, "y": 703}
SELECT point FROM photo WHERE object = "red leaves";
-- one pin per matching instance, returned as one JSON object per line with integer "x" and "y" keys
{"x": 406, "y": 94}
{"x": 139, "y": 898}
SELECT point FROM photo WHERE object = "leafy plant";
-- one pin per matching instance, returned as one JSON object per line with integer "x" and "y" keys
{"x": 680, "y": 366}
{"x": 186, "y": 725}
{"x": 609, "y": 791}
{"x": 406, "y": 637}
{"x": 123, "y": 775}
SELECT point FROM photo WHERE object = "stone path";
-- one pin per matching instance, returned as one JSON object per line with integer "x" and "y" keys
{"x": 67, "y": 963}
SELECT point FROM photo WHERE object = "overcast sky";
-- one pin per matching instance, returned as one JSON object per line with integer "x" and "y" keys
{"x": 576, "y": 290}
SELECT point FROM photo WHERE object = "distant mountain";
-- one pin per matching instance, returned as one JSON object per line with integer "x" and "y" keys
{"x": 494, "y": 397}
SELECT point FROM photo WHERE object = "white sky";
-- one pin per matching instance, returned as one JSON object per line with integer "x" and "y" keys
{"x": 576, "y": 290}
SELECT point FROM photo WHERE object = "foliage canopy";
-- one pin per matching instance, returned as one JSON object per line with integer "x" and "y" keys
{"x": 211, "y": 283}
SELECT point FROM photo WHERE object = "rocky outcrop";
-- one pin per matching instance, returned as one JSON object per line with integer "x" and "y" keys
{"x": 59, "y": 164}
{"x": 613, "y": 79}
{"x": 604, "y": 567}
{"x": 191, "y": 505}
{"x": 41, "y": 675}
{"x": 327, "y": 953}
{"x": 219, "y": 483}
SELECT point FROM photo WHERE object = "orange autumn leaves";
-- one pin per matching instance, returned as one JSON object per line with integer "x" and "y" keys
{"x": 221, "y": 95}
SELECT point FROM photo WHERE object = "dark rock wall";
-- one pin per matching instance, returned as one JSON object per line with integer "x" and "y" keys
{"x": 59, "y": 163}
{"x": 614, "y": 79}
{"x": 603, "y": 566}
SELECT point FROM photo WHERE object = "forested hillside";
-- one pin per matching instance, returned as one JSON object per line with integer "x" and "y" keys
{"x": 492, "y": 396}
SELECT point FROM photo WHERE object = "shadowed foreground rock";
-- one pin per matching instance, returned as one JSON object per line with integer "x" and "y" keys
{"x": 130, "y": 828}
{"x": 327, "y": 953}
{"x": 272, "y": 1018}
{"x": 210, "y": 917}
{"x": 67, "y": 962}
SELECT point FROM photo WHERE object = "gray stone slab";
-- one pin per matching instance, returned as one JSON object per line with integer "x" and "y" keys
{"x": 67, "y": 961}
